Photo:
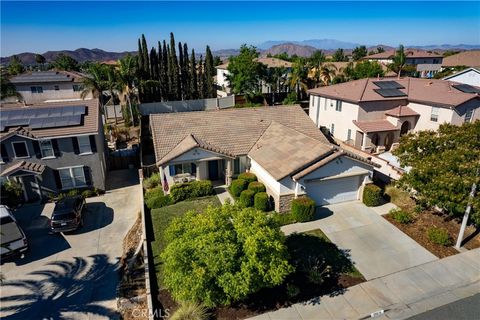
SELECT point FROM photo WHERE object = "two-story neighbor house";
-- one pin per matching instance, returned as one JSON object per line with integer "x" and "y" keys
{"x": 426, "y": 63}
{"x": 53, "y": 147}
{"x": 45, "y": 86}
{"x": 281, "y": 145}
{"x": 371, "y": 114}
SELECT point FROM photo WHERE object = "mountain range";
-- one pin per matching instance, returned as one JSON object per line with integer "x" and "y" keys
{"x": 301, "y": 48}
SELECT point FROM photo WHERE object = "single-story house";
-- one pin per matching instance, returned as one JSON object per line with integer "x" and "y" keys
{"x": 281, "y": 145}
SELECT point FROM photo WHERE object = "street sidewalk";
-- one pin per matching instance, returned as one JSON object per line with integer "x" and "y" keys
{"x": 401, "y": 295}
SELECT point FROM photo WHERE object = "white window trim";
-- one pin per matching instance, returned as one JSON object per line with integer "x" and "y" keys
{"x": 432, "y": 113}
{"x": 471, "y": 115}
{"x": 71, "y": 176}
{"x": 26, "y": 147}
{"x": 90, "y": 146}
{"x": 41, "y": 150}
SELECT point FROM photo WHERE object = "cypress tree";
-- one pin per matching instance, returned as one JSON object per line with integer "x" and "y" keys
{"x": 186, "y": 66}
{"x": 160, "y": 71}
{"x": 155, "y": 91}
{"x": 193, "y": 77}
{"x": 174, "y": 69}
{"x": 171, "y": 93}
{"x": 164, "y": 79}
{"x": 182, "y": 72}
{"x": 140, "y": 73}
{"x": 201, "y": 79}
{"x": 146, "y": 60}
{"x": 210, "y": 90}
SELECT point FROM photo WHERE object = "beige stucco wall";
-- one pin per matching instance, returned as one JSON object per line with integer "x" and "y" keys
{"x": 424, "y": 122}
{"x": 375, "y": 110}
{"x": 49, "y": 93}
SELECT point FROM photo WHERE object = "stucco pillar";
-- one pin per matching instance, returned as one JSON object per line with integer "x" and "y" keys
{"x": 161, "y": 172}
{"x": 364, "y": 141}
{"x": 229, "y": 172}
{"x": 39, "y": 187}
{"x": 297, "y": 189}
{"x": 197, "y": 171}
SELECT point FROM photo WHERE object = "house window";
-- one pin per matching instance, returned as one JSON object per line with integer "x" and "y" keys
{"x": 46, "y": 148}
{"x": 240, "y": 165}
{"x": 77, "y": 87}
{"x": 20, "y": 149}
{"x": 84, "y": 145}
{"x": 338, "y": 106}
{"x": 183, "y": 168}
{"x": 36, "y": 89}
{"x": 56, "y": 88}
{"x": 72, "y": 177}
{"x": 349, "y": 134}
{"x": 469, "y": 115}
{"x": 332, "y": 128}
{"x": 434, "y": 114}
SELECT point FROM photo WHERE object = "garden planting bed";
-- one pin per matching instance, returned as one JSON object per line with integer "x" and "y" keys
{"x": 418, "y": 229}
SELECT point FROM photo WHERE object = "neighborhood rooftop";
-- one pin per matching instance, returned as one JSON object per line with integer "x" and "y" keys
{"x": 47, "y": 76}
{"x": 438, "y": 92}
{"x": 50, "y": 119}
{"x": 466, "y": 58}
{"x": 232, "y": 132}
{"x": 409, "y": 53}
{"x": 269, "y": 62}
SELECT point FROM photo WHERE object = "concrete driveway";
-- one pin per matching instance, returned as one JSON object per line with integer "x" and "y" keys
{"x": 74, "y": 275}
{"x": 375, "y": 246}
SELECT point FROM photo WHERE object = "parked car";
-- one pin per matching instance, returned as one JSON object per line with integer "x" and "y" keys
{"x": 67, "y": 214}
{"x": 13, "y": 239}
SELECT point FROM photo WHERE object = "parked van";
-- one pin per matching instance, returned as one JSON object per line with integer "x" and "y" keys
{"x": 13, "y": 239}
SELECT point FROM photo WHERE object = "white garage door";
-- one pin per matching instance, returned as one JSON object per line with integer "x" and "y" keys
{"x": 334, "y": 190}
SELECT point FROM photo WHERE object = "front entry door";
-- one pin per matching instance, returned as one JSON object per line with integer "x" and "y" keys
{"x": 213, "y": 170}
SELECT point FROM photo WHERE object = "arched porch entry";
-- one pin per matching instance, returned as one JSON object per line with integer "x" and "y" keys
{"x": 405, "y": 128}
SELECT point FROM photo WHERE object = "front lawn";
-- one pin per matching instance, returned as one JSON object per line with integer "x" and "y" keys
{"x": 161, "y": 218}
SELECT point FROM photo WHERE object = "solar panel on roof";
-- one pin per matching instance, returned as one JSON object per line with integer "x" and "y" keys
{"x": 388, "y": 85}
{"x": 36, "y": 123}
{"x": 388, "y": 93}
{"x": 466, "y": 88}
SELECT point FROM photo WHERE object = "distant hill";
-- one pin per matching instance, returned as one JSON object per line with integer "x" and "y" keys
{"x": 81, "y": 55}
{"x": 324, "y": 44}
{"x": 290, "y": 49}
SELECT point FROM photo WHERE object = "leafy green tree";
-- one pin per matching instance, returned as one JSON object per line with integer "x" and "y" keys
{"x": 317, "y": 58}
{"x": 339, "y": 56}
{"x": 367, "y": 69}
{"x": 15, "y": 66}
{"x": 94, "y": 82}
{"x": 380, "y": 50}
{"x": 65, "y": 63}
{"x": 245, "y": 72}
{"x": 444, "y": 166}
{"x": 399, "y": 61}
{"x": 217, "y": 61}
{"x": 359, "y": 52}
{"x": 8, "y": 89}
{"x": 40, "y": 60}
{"x": 298, "y": 77}
{"x": 127, "y": 71}
{"x": 222, "y": 255}
{"x": 276, "y": 78}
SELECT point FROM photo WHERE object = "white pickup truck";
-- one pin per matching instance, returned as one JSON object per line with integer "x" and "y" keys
{"x": 13, "y": 239}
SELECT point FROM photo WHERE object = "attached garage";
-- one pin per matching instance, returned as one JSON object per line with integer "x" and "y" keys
{"x": 330, "y": 191}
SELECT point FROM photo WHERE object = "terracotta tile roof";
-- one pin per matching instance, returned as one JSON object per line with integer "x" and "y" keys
{"x": 410, "y": 53}
{"x": 401, "y": 111}
{"x": 337, "y": 153}
{"x": 90, "y": 123}
{"x": 22, "y": 165}
{"x": 375, "y": 126}
{"x": 429, "y": 91}
{"x": 282, "y": 150}
{"x": 269, "y": 62}
{"x": 233, "y": 130}
{"x": 467, "y": 58}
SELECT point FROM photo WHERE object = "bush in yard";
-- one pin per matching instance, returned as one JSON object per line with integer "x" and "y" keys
{"x": 190, "y": 190}
{"x": 237, "y": 187}
{"x": 372, "y": 195}
{"x": 152, "y": 182}
{"x": 303, "y": 209}
{"x": 89, "y": 193}
{"x": 292, "y": 290}
{"x": 241, "y": 252}
{"x": 247, "y": 176}
{"x": 190, "y": 311}
{"x": 156, "y": 199}
{"x": 261, "y": 201}
{"x": 11, "y": 193}
{"x": 246, "y": 198}
{"x": 256, "y": 186}
{"x": 439, "y": 236}
{"x": 282, "y": 219}
{"x": 401, "y": 216}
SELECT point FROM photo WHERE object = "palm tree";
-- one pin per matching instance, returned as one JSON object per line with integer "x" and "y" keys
{"x": 276, "y": 79}
{"x": 112, "y": 84}
{"x": 399, "y": 61}
{"x": 8, "y": 89}
{"x": 324, "y": 73}
{"x": 127, "y": 75}
{"x": 94, "y": 83}
{"x": 298, "y": 78}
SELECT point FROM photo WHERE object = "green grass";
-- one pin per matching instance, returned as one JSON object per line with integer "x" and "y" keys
{"x": 162, "y": 217}
{"x": 332, "y": 253}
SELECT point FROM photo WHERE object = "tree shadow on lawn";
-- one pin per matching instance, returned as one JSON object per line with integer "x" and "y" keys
{"x": 321, "y": 268}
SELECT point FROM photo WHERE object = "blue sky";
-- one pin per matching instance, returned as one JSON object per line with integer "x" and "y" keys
{"x": 41, "y": 26}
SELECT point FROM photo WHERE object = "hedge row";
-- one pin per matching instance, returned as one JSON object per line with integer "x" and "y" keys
{"x": 249, "y": 192}
{"x": 155, "y": 198}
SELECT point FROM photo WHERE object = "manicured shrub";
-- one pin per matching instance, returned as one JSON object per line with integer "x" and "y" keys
{"x": 303, "y": 209}
{"x": 152, "y": 182}
{"x": 372, "y": 195}
{"x": 247, "y": 176}
{"x": 246, "y": 198}
{"x": 190, "y": 190}
{"x": 282, "y": 219}
{"x": 439, "y": 236}
{"x": 401, "y": 216}
{"x": 256, "y": 186}
{"x": 89, "y": 193}
{"x": 11, "y": 193}
{"x": 260, "y": 201}
{"x": 156, "y": 199}
{"x": 237, "y": 187}
{"x": 190, "y": 311}
{"x": 292, "y": 290}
